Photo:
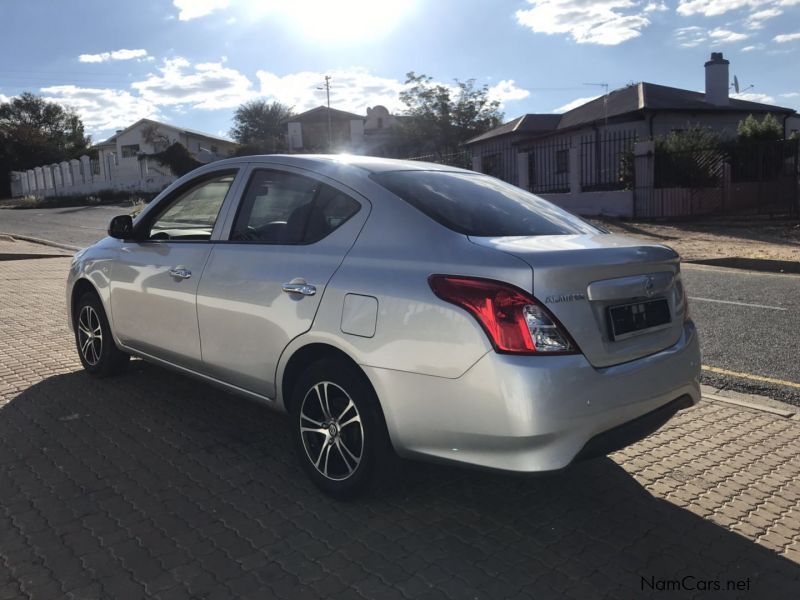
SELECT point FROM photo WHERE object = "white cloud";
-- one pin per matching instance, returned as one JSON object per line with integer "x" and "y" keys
{"x": 753, "y": 47}
{"x": 693, "y": 36}
{"x": 790, "y": 95}
{"x": 506, "y": 91}
{"x": 689, "y": 37}
{"x": 787, "y": 37}
{"x": 655, "y": 7}
{"x": 713, "y": 8}
{"x": 607, "y": 22}
{"x": 754, "y": 97}
{"x": 756, "y": 19}
{"x": 193, "y": 9}
{"x": 352, "y": 90}
{"x": 204, "y": 85}
{"x": 122, "y": 54}
{"x": 726, "y": 36}
{"x": 355, "y": 89}
{"x": 101, "y": 109}
{"x": 574, "y": 104}
{"x": 4, "y": 99}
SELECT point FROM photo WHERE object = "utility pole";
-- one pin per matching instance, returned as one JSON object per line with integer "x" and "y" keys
{"x": 327, "y": 87}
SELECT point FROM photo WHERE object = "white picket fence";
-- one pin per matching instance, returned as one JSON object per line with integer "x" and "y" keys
{"x": 85, "y": 176}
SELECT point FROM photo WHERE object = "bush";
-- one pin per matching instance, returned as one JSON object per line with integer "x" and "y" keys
{"x": 766, "y": 130}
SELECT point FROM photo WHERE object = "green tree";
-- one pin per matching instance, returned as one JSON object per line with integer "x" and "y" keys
{"x": 35, "y": 132}
{"x": 766, "y": 130}
{"x": 441, "y": 118}
{"x": 260, "y": 126}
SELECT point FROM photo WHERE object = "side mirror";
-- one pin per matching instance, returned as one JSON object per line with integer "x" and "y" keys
{"x": 121, "y": 227}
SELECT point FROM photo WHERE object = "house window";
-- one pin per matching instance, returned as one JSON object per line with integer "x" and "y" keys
{"x": 491, "y": 165}
{"x": 562, "y": 161}
{"x": 130, "y": 150}
{"x": 214, "y": 150}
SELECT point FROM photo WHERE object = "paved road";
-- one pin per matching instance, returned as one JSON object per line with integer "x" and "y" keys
{"x": 735, "y": 337}
{"x": 749, "y": 323}
{"x": 75, "y": 226}
{"x": 154, "y": 485}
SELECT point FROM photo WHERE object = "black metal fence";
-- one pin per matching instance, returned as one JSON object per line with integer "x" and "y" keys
{"x": 607, "y": 161}
{"x": 461, "y": 159}
{"x": 548, "y": 167}
{"x": 734, "y": 177}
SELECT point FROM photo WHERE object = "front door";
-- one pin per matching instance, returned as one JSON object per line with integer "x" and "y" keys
{"x": 154, "y": 281}
{"x": 261, "y": 288}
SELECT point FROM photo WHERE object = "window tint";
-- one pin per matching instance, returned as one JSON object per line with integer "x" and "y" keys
{"x": 477, "y": 205}
{"x": 284, "y": 208}
{"x": 192, "y": 215}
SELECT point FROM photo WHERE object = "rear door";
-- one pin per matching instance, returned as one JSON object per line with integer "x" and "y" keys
{"x": 262, "y": 285}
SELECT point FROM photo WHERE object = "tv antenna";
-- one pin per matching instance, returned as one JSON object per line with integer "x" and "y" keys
{"x": 327, "y": 87}
{"x": 605, "y": 99}
{"x": 735, "y": 86}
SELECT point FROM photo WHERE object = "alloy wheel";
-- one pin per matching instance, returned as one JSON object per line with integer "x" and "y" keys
{"x": 331, "y": 431}
{"x": 90, "y": 335}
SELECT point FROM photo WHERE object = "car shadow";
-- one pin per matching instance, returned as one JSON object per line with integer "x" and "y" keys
{"x": 152, "y": 483}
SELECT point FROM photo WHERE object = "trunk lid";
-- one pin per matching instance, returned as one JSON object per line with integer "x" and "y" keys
{"x": 579, "y": 277}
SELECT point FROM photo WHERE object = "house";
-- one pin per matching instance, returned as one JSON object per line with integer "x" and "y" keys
{"x": 375, "y": 133}
{"x": 120, "y": 165}
{"x": 582, "y": 147}
{"x": 118, "y": 156}
{"x": 321, "y": 129}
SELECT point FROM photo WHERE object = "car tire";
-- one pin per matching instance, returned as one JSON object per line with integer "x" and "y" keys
{"x": 339, "y": 431}
{"x": 96, "y": 347}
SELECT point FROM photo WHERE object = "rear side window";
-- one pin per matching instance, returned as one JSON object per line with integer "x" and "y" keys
{"x": 285, "y": 208}
{"x": 477, "y": 205}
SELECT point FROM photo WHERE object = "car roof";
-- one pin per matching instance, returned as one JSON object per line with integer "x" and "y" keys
{"x": 326, "y": 162}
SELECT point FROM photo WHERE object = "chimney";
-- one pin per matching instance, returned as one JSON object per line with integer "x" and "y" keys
{"x": 717, "y": 82}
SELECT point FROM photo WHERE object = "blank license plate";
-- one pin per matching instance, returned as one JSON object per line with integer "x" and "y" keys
{"x": 630, "y": 319}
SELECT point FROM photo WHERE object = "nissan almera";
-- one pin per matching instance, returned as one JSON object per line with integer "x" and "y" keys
{"x": 394, "y": 308}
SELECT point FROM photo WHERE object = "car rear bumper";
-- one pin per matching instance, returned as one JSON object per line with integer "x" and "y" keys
{"x": 530, "y": 414}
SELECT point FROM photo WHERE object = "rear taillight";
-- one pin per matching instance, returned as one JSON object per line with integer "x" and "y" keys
{"x": 514, "y": 321}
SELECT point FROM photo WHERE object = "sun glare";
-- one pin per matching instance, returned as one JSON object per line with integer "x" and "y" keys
{"x": 337, "y": 20}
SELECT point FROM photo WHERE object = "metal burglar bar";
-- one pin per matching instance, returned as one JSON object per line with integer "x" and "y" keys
{"x": 607, "y": 160}
{"x": 548, "y": 167}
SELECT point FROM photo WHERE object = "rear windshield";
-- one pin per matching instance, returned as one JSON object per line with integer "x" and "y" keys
{"x": 478, "y": 205}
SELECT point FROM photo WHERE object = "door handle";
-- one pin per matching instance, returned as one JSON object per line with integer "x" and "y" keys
{"x": 306, "y": 289}
{"x": 180, "y": 273}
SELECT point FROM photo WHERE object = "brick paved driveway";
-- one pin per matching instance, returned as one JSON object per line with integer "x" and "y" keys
{"x": 155, "y": 485}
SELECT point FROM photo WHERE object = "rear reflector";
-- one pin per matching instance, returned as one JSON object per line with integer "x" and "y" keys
{"x": 515, "y": 322}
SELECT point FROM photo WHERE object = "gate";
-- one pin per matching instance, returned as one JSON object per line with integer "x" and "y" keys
{"x": 737, "y": 177}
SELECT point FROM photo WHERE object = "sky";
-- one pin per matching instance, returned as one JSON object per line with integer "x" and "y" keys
{"x": 192, "y": 62}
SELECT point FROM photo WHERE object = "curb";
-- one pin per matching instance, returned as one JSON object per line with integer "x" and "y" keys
{"x": 27, "y": 238}
{"x": 785, "y": 413}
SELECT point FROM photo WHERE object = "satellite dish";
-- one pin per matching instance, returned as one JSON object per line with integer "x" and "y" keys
{"x": 736, "y": 84}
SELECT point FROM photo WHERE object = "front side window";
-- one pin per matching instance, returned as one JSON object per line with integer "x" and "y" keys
{"x": 284, "y": 208}
{"x": 478, "y": 205}
{"x": 191, "y": 215}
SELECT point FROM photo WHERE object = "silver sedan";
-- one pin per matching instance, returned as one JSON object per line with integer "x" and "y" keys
{"x": 394, "y": 308}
